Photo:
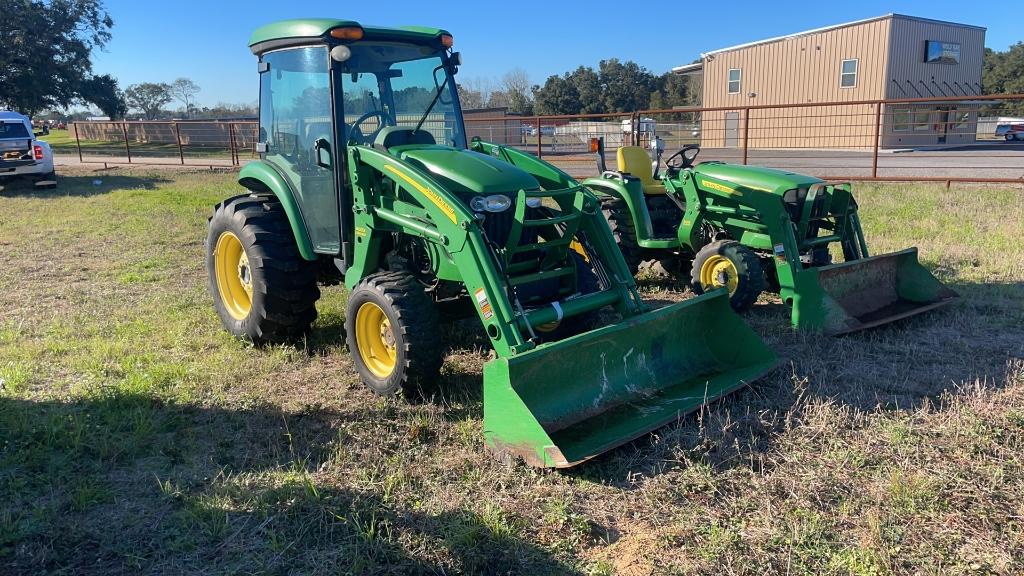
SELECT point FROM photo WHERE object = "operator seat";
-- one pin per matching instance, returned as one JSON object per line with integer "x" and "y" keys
{"x": 635, "y": 161}
{"x": 402, "y": 136}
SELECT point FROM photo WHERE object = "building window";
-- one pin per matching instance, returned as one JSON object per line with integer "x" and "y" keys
{"x": 901, "y": 120}
{"x": 922, "y": 121}
{"x": 734, "y": 80}
{"x": 848, "y": 74}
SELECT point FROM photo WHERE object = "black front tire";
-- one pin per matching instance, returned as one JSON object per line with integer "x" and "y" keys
{"x": 412, "y": 334}
{"x": 620, "y": 221}
{"x": 284, "y": 292}
{"x": 745, "y": 271}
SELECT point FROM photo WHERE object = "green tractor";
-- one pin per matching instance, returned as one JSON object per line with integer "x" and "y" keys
{"x": 750, "y": 229}
{"x": 367, "y": 176}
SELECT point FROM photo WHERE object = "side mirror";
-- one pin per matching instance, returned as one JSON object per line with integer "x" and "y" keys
{"x": 456, "y": 58}
{"x": 322, "y": 151}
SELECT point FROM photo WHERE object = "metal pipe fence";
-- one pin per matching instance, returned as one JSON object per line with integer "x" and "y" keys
{"x": 951, "y": 139}
{"x": 201, "y": 143}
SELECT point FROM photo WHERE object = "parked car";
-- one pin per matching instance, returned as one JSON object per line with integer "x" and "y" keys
{"x": 1011, "y": 132}
{"x": 21, "y": 154}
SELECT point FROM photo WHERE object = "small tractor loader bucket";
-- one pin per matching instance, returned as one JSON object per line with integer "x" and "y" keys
{"x": 568, "y": 401}
{"x": 869, "y": 292}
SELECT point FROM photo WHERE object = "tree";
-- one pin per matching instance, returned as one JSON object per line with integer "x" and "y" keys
{"x": 149, "y": 98}
{"x": 627, "y": 86}
{"x": 184, "y": 90}
{"x": 1003, "y": 73}
{"x": 517, "y": 92}
{"x": 470, "y": 99}
{"x": 588, "y": 85}
{"x": 557, "y": 96}
{"x": 672, "y": 91}
{"x": 46, "y": 50}
{"x": 474, "y": 93}
{"x": 104, "y": 93}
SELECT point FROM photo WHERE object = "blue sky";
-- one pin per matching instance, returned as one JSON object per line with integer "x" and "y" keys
{"x": 206, "y": 41}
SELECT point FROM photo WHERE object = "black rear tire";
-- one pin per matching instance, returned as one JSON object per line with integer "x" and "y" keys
{"x": 620, "y": 220}
{"x": 411, "y": 335}
{"x": 283, "y": 290}
{"x": 736, "y": 263}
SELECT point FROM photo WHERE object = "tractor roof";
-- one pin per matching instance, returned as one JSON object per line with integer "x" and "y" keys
{"x": 288, "y": 32}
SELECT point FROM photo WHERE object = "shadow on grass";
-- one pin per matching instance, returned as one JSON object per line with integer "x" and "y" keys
{"x": 895, "y": 368}
{"x": 124, "y": 483}
{"x": 80, "y": 186}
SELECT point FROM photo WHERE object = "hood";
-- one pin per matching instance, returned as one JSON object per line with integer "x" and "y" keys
{"x": 465, "y": 171}
{"x": 755, "y": 177}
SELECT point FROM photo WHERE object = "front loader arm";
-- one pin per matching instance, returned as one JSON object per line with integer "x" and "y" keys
{"x": 437, "y": 216}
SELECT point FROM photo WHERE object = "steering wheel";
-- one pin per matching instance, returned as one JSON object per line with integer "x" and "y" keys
{"x": 380, "y": 124}
{"x": 682, "y": 158}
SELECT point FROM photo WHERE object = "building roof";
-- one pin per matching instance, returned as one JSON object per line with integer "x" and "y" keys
{"x": 829, "y": 28}
{"x": 687, "y": 69}
{"x": 312, "y": 28}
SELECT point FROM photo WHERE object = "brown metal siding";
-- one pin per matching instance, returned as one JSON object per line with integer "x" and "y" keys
{"x": 797, "y": 70}
{"x": 911, "y": 77}
{"x": 906, "y": 60}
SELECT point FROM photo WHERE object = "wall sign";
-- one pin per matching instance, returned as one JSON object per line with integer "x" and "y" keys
{"x": 941, "y": 52}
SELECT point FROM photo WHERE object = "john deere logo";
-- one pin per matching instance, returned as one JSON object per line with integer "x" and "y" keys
{"x": 717, "y": 186}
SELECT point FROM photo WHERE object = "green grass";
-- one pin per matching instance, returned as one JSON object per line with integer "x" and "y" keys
{"x": 63, "y": 142}
{"x": 136, "y": 436}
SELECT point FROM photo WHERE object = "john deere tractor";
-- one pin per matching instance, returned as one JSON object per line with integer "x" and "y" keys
{"x": 750, "y": 229}
{"x": 367, "y": 176}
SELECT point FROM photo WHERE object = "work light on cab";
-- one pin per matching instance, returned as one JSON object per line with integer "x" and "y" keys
{"x": 347, "y": 33}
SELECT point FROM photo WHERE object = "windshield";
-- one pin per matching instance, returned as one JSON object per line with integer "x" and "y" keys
{"x": 399, "y": 85}
{"x": 13, "y": 130}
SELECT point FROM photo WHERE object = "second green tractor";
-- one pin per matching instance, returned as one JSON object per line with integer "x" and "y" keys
{"x": 750, "y": 229}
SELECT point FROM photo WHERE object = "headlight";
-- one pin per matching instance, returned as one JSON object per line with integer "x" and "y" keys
{"x": 533, "y": 202}
{"x": 492, "y": 203}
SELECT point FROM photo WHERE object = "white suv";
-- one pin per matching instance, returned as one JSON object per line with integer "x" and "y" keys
{"x": 21, "y": 154}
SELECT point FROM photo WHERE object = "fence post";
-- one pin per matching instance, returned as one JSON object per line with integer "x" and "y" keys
{"x": 878, "y": 136}
{"x": 540, "y": 153}
{"x": 746, "y": 134}
{"x": 231, "y": 144}
{"x": 177, "y": 136}
{"x": 78, "y": 143}
{"x": 127, "y": 149}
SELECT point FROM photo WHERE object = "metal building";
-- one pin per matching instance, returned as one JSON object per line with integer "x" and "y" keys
{"x": 887, "y": 57}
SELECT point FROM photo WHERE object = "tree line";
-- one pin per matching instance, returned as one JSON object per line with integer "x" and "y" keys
{"x": 615, "y": 86}
{"x": 1003, "y": 73}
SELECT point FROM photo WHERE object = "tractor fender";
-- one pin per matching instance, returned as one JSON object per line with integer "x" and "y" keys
{"x": 632, "y": 194}
{"x": 261, "y": 177}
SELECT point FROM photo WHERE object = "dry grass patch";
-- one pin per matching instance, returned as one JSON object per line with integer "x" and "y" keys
{"x": 136, "y": 436}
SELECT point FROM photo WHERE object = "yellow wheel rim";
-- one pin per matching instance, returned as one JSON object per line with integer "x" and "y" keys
{"x": 234, "y": 276}
{"x": 375, "y": 340}
{"x": 718, "y": 271}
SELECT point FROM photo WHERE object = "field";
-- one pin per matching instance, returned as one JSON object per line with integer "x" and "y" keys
{"x": 138, "y": 437}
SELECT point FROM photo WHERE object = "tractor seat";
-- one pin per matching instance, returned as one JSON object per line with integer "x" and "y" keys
{"x": 402, "y": 136}
{"x": 635, "y": 161}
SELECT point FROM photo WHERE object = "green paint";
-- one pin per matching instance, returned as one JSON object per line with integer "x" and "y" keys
{"x": 320, "y": 27}
{"x": 260, "y": 176}
{"x": 747, "y": 203}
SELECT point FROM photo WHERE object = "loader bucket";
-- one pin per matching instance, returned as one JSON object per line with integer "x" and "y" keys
{"x": 869, "y": 292}
{"x": 565, "y": 402}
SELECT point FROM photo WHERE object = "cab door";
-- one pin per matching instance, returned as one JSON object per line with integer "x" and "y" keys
{"x": 297, "y": 129}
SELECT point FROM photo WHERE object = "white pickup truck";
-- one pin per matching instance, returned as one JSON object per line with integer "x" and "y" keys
{"x": 21, "y": 155}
